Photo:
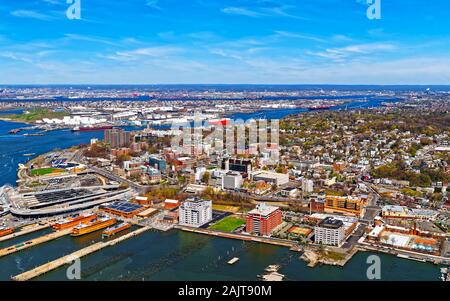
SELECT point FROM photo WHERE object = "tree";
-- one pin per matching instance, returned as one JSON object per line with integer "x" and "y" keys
{"x": 205, "y": 178}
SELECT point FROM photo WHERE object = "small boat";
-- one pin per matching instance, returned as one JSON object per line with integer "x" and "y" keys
{"x": 13, "y": 132}
{"x": 29, "y": 155}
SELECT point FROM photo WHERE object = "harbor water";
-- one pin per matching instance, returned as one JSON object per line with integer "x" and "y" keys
{"x": 173, "y": 255}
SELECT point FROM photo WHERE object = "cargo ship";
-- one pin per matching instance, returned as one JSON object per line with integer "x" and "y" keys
{"x": 96, "y": 225}
{"x": 319, "y": 108}
{"x": 73, "y": 220}
{"x": 223, "y": 121}
{"x": 92, "y": 128}
{"x": 6, "y": 231}
{"x": 115, "y": 229}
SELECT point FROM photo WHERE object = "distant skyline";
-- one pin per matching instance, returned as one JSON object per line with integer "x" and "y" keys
{"x": 225, "y": 42}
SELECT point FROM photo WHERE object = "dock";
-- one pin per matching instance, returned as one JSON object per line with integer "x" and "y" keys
{"x": 34, "y": 242}
{"x": 24, "y": 232}
{"x": 272, "y": 273}
{"x": 233, "y": 261}
{"x": 45, "y": 268}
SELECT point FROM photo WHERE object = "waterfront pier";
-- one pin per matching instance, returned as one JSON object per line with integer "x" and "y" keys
{"x": 271, "y": 241}
{"x": 24, "y": 232}
{"x": 34, "y": 242}
{"x": 45, "y": 268}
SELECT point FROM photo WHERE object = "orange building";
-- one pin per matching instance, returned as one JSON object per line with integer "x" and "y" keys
{"x": 171, "y": 204}
{"x": 344, "y": 204}
{"x": 263, "y": 219}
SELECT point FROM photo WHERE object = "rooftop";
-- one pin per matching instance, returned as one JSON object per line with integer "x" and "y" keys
{"x": 331, "y": 223}
{"x": 263, "y": 209}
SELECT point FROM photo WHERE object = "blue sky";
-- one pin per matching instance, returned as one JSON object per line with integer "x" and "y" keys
{"x": 225, "y": 41}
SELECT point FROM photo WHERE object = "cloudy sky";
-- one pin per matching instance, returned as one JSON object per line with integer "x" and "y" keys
{"x": 225, "y": 41}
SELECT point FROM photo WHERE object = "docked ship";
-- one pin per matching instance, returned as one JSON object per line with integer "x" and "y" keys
{"x": 6, "y": 231}
{"x": 223, "y": 121}
{"x": 319, "y": 108}
{"x": 115, "y": 229}
{"x": 93, "y": 226}
{"x": 74, "y": 220}
{"x": 14, "y": 132}
{"x": 93, "y": 128}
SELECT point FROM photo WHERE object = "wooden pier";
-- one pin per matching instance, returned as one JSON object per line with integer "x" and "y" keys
{"x": 24, "y": 232}
{"x": 45, "y": 268}
{"x": 34, "y": 242}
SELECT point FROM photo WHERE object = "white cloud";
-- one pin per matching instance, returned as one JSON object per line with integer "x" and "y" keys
{"x": 30, "y": 14}
{"x": 274, "y": 11}
{"x": 153, "y": 4}
{"x": 350, "y": 51}
{"x": 242, "y": 11}
{"x": 141, "y": 53}
{"x": 78, "y": 37}
{"x": 53, "y": 2}
{"x": 288, "y": 34}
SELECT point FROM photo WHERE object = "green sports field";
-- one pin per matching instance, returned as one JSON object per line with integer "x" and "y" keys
{"x": 44, "y": 171}
{"x": 228, "y": 224}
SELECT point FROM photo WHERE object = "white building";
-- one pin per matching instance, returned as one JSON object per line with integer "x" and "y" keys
{"x": 231, "y": 180}
{"x": 271, "y": 177}
{"x": 329, "y": 231}
{"x": 307, "y": 186}
{"x": 289, "y": 192}
{"x": 199, "y": 173}
{"x": 195, "y": 212}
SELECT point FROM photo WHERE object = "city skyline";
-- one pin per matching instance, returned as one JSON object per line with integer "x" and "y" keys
{"x": 224, "y": 42}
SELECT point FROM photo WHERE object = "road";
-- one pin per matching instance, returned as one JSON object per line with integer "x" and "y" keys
{"x": 110, "y": 175}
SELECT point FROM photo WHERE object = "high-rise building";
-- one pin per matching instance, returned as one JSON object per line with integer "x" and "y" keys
{"x": 239, "y": 165}
{"x": 263, "y": 219}
{"x": 329, "y": 231}
{"x": 307, "y": 186}
{"x": 195, "y": 212}
{"x": 117, "y": 138}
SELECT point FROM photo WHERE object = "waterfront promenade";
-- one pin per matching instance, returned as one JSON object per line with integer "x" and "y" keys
{"x": 273, "y": 241}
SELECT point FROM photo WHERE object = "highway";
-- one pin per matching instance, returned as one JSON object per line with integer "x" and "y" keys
{"x": 111, "y": 176}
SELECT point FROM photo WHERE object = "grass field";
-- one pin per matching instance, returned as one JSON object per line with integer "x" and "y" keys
{"x": 228, "y": 224}
{"x": 45, "y": 171}
{"x": 226, "y": 208}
